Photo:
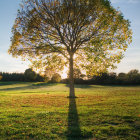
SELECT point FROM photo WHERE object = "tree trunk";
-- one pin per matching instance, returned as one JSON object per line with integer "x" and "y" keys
{"x": 71, "y": 79}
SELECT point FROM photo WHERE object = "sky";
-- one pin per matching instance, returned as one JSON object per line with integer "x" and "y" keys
{"x": 8, "y": 11}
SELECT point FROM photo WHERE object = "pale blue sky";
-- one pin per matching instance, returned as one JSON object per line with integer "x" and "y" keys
{"x": 8, "y": 11}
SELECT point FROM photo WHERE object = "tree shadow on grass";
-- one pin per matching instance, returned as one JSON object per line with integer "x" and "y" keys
{"x": 28, "y": 86}
{"x": 9, "y": 83}
{"x": 73, "y": 131}
{"x": 82, "y": 86}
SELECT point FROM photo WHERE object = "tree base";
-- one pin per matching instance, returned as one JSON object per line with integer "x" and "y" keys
{"x": 72, "y": 97}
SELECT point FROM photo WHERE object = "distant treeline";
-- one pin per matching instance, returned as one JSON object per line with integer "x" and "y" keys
{"x": 130, "y": 78}
{"x": 27, "y": 76}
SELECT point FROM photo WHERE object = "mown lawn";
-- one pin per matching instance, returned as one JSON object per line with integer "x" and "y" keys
{"x": 40, "y": 111}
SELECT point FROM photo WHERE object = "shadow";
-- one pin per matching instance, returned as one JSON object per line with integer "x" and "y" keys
{"x": 99, "y": 86}
{"x": 82, "y": 86}
{"x": 86, "y": 86}
{"x": 30, "y": 85}
{"x": 73, "y": 131}
{"x": 43, "y": 84}
{"x": 8, "y": 83}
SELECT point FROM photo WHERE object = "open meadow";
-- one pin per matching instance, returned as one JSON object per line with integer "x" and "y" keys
{"x": 41, "y": 111}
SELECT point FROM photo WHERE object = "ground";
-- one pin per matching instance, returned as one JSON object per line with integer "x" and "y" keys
{"x": 40, "y": 111}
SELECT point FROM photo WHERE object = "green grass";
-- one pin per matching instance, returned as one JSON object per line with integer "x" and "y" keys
{"x": 40, "y": 111}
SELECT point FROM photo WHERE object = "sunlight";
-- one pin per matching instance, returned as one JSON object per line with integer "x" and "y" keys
{"x": 64, "y": 73}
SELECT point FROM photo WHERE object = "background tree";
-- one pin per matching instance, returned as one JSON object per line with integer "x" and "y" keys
{"x": 0, "y": 77}
{"x": 39, "y": 78}
{"x": 53, "y": 32}
{"x": 133, "y": 76}
{"x": 6, "y": 76}
{"x": 122, "y": 78}
{"x": 30, "y": 75}
{"x": 101, "y": 78}
{"x": 76, "y": 73}
{"x": 56, "y": 78}
{"x": 112, "y": 78}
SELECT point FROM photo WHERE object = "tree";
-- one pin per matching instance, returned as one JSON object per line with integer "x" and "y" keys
{"x": 133, "y": 72}
{"x": 56, "y": 78}
{"x": 39, "y": 78}
{"x": 0, "y": 77}
{"x": 112, "y": 78}
{"x": 122, "y": 78}
{"x": 76, "y": 73}
{"x": 53, "y": 33}
{"x": 133, "y": 76}
{"x": 30, "y": 75}
{"x": 102, "y": 78}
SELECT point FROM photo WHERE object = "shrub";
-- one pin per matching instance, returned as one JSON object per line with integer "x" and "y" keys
{"x": 133, "y": 77}
{"x": 0, "y": 77}
{"x": 46, "y": 79}
{"x": 30, "y": 75}
{"x": 56, "y": 78}
{"x": 39, "y": 78}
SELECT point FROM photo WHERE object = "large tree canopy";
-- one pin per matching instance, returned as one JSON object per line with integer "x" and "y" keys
{"x": 90, "y": 34}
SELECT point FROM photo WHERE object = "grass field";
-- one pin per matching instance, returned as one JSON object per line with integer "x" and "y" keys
{"x": 40, "y": 111}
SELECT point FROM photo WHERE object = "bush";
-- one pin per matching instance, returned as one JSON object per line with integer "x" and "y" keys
{"x": 46, "y": 79}
{"x": 30, "y": 75}
{"x": 133, "y": 77}
{"x": 122, "y": 78}
{"x": 39, "y": 78}
{"x": 0, "y": 77}
{"x": 56, "y": 78}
